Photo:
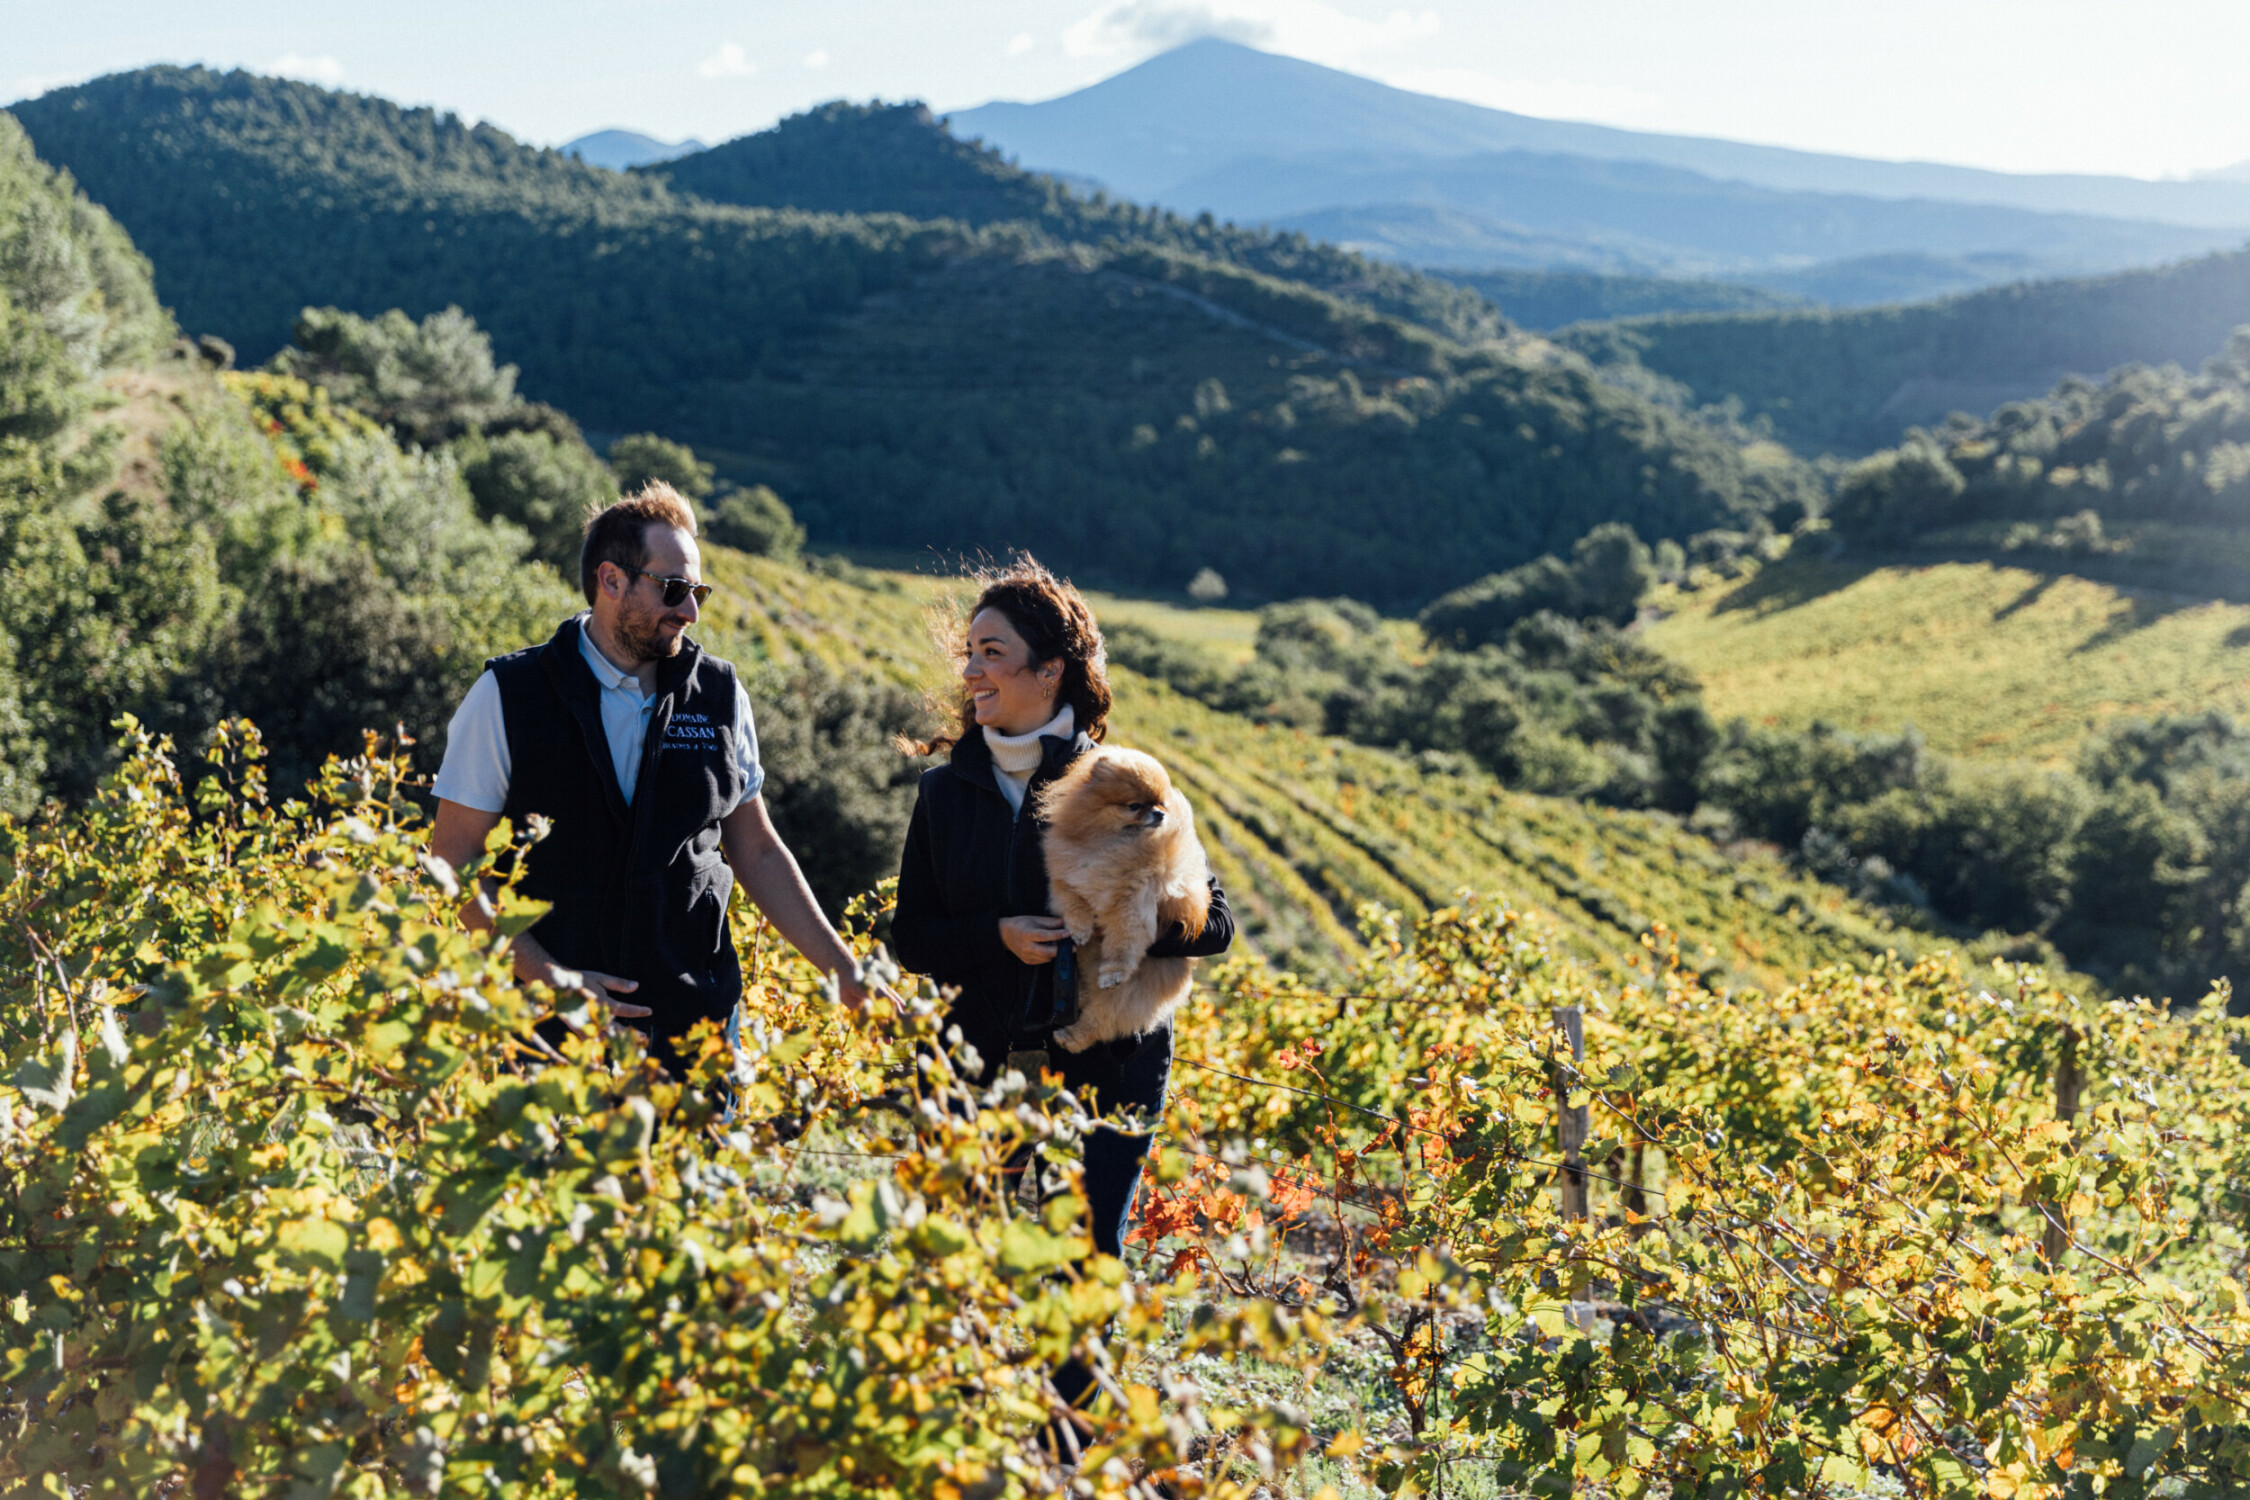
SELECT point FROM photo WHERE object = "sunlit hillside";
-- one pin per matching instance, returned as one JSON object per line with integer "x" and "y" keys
{"x": 1986, "y": 660}
{"x": 1304, "y": 829}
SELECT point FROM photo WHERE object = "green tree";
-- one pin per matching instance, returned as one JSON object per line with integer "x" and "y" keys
{"x": 66, "y": 264}
{"x": 40, "y": 388}
{"x": 425, "y": 381}
{"x": 756, "y": 521}
{"x": 1895, "y": 495}
{"x": 1611, "y": 572}
{"x": 539, "y": 482}
{"x": 1480, "y": 613}
{"x": 639, "y": 457}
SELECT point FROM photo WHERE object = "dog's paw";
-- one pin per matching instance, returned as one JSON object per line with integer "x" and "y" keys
{"x": 1110, "y": 976}
{"x": 1081, "y": 934}
{"x": 1074, "y": 1038}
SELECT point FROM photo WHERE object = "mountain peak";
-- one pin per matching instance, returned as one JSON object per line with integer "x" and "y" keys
{"x": 846, "y": 157}
{"x": 619, "y": 150}
{"x": 1212, "y": 104}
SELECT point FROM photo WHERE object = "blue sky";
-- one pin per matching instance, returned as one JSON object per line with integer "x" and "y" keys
{"x": 2152, "y": 88}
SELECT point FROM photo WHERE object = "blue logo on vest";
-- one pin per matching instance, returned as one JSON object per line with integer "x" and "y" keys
{"x": 690, "y": 732}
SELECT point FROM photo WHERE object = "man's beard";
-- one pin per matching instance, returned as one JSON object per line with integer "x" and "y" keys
{"x": 644, "y": 640}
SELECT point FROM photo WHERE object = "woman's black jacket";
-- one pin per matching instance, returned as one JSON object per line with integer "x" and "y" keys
{"x": 969, "y": 862}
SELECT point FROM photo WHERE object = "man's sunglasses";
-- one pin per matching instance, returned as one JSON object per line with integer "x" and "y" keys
{"x": 676, "y": 590}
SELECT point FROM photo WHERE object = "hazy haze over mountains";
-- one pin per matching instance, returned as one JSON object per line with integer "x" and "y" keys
{"x": 1199, "y": 107}
{"x": 1438, "y": 182}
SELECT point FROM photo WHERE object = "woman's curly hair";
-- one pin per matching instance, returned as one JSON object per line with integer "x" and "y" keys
{"x": 1055, "y": 623}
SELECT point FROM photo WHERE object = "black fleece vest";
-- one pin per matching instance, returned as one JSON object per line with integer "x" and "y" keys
{"x": 638, "y": 891}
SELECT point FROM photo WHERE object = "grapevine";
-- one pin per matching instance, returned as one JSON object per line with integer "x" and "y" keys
{"x": 292, "y": 1200}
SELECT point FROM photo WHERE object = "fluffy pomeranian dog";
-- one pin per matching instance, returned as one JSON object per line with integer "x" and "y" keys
{"x": 1123, "y": 865}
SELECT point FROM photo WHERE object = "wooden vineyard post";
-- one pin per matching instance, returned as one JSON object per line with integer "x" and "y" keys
{"x": 1636, "y": 1189}
{"x": 1570, "y": 1123}
{"x": 2070, "y": 1082}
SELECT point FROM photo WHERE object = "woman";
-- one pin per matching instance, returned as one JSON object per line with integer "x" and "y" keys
{"x": 972, "y": 888}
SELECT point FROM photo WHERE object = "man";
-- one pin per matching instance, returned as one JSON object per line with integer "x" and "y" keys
{"x": 639, "y": 746}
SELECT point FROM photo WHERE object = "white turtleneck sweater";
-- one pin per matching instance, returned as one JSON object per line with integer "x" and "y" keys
{"x": 1016, "y": 757}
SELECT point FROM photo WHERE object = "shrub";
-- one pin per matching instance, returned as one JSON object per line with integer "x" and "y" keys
{"x": 1895, "y": 495}
{"x": 757, "y": 522}
{"x": 642, "y": 456}
{"x": 425, "y": 381}
{"x": 1207, "y": 587}
{"x": 546, "y": 486}
{"x": 1609, "y": 573}
{"x": 294, "y": 1202}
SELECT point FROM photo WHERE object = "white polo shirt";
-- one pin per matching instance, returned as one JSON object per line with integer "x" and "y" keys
{"x": 478, "y": 765}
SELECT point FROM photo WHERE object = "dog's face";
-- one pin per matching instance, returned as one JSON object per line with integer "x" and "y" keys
{"x": 1124, "y": 792}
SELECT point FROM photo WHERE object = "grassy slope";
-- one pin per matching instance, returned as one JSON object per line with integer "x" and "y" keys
{"x": 1304, "y": 829}
{"x": 1986, "y": 660}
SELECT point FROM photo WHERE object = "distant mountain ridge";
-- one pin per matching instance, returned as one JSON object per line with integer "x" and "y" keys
{"x": 621, "y": 149}
{"x": 1200, "y": 106}
{"x": 1545, "y": 300}
{"x": 1437, "y": 182}
{"x": 1680, "y": 221}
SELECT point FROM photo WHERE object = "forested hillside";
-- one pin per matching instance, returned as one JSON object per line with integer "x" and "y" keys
{"x": 848, "y": 158}
{"x": 288, "y": 482}
{"x": 172, "y": 550}
{"x": 1556, "y": 299}
{"x": 1854, "y": 381}
{"x": 2143, "y": 476}
{"x": 1135, "y": 409}
{"x": 2021, "y": 621}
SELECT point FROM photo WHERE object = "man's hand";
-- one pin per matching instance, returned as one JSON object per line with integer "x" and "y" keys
{"x": 1033, "y": 939}
{"x": 599, "y": 988}
{"x": 770, "y": 878}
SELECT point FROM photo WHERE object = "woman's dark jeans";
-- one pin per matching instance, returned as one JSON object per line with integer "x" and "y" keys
{"x": 1130, "y": 1072}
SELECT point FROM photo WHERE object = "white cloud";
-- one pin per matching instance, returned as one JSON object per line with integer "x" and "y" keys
{"x": 1311, "y": 29}
{"x": 1550, "y": 98}
{"x": 730, "y": 61}
{"x": 321, "y": 69}
{"x": 817, "y": 58}
{"x": 1020, "y": 43}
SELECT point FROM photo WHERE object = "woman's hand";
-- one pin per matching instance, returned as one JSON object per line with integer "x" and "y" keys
{"x": 1033, "y": 939}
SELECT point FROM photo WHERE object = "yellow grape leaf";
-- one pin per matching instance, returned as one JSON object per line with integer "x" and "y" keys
{"x": 319, "y": 1240}
{"x": 1025, "y": 1247}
